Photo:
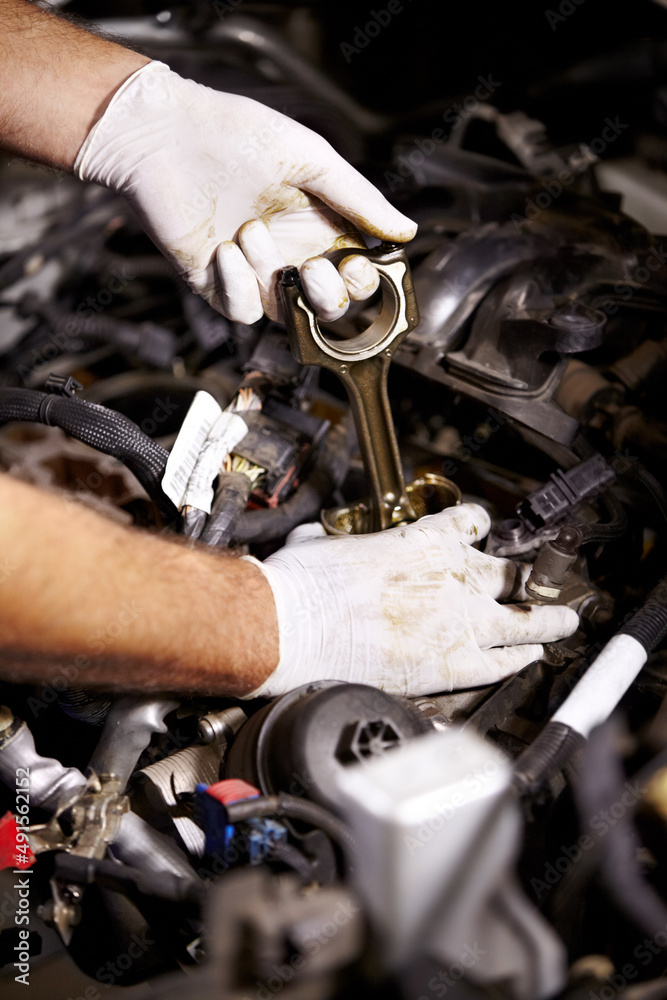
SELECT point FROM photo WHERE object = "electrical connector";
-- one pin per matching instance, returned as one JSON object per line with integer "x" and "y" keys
{"x": 566, "y": 490}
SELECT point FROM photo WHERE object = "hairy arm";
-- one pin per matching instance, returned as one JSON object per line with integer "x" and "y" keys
{"x": 56, "y": 81}
{"x": 84, "y": 599}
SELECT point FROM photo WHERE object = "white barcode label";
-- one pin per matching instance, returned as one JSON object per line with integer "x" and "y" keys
{"x": 206, "y": 437}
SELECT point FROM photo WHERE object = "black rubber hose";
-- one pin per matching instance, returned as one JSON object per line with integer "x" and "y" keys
{"x": 149, "y": 342}
{"x": 649, "y": 625}
{"x": 166, "y": 885}
{"x": 327, "y": 476}
{"x": 558, "y": 742}
{"x": 644, "y": 478}
{"x": 103, "y": 429}
{"x": 292, "y": 807}
{"x": 291, "y": 856}
{"x": 549, "y": 752}
{"x": 605, "y": 530}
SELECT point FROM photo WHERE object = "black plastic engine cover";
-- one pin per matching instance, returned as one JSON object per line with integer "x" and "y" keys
{"x": 297, "y": 743}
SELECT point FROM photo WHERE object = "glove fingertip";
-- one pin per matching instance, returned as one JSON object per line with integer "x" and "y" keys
{"x": 325, "y": 288}
{"x": 569, "y": 620}
{"x": 360, "y": 277}
{"x": 239, "y": 297}
{"x": 470, "y": 520}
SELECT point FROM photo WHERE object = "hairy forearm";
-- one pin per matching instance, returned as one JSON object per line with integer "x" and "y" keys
{"x": 56, "y": 81}
{"x": 122, "y": 608}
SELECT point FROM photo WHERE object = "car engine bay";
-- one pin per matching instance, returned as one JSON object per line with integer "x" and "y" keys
{"x": 503, "y": 841}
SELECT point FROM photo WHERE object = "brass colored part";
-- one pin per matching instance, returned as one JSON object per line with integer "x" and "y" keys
{"x": 362, "y": 364}
{"x": 592, "y": 966}
{"x": 428, "y": 495}
{"x": 656, "y": 792}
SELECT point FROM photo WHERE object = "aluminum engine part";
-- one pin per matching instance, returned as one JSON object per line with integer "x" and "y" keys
{"x": 155, "y": 790}
{"x": 438, "y": 832}
{"x": 137, "y": 844}
{"x": 127, "y": 732}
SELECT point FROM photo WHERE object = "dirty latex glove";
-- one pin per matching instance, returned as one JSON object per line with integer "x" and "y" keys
{"x": 231, "y": 191}
{"x": 412, "y": 610}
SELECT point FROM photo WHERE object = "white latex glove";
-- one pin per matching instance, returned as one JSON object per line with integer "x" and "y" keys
{"x": 412, "y": 610}
{"x": 230, "y": 191}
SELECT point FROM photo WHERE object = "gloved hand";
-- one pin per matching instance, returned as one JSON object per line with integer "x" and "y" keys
{"x": 230, "y": 191}
{"x": 412, "y": 610}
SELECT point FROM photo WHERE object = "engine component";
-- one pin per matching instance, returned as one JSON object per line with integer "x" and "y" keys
{"x": 252, "y": 842}
{"x": 510, "y": 303}
{"x": 362, "y": 364}
{"x": 263, "y": 932}
{"x": 419, "y": 817}
{"x": 554, "y": 562}
{"x": 279, "y": 441}
{"x": 220, "y": 727}
{"x": 50, "y": 781}
{"x": 566, "y": 490}
{"x": 127, "y": 731}
{"x": 97, "y": 426}
{"x": 158, "y": 789}
{"x": 86, "y": 821}
{"x": 597, "y": 694}
{"x": 534, "y": 380}
{"x": 137, "y": 844}
{"x": 331, "y": 467}
{"x": 299, "y": 742}
{"x": 291, "y": 807}
{"x": 231, "y": 499}
{"x": 146, "y": 343}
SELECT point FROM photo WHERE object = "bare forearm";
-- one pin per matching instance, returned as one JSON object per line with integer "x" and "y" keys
{"x": 123, "y": 608}
{"x": 55, "y": 82}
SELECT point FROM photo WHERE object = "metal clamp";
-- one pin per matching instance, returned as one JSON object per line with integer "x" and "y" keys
{"x": 362, "y": 364}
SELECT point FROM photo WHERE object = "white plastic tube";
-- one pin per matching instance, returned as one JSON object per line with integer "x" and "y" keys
{"x": 603, "y": 685}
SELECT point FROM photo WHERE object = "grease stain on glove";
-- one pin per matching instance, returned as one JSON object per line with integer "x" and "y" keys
{"x": 414, "y": 609}
{"x": 203, "y": 169}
